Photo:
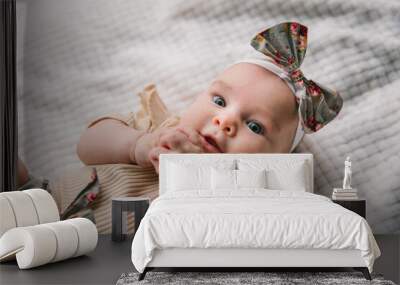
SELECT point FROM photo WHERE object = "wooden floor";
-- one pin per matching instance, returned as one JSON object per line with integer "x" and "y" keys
{"x": 110, "y": 260}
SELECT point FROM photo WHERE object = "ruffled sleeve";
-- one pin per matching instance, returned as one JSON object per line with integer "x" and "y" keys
{"x": 151, "y": 115}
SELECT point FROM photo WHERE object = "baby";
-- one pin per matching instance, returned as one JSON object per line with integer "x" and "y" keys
{"x": 262, "y": 104}
{"x": 257, "y": 105}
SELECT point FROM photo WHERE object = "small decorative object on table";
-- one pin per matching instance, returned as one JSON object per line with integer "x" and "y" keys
{"x": 347, "y": 174}
{"x": 344, "y": 194}
{"x": 347, "y": 192}
{"x": 347, "y": 196}
{"x": 120, "y": 207}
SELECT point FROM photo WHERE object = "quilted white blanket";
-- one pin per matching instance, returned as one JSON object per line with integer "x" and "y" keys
{"x": 261, "y": 219}
{"x": 81, "y": 58}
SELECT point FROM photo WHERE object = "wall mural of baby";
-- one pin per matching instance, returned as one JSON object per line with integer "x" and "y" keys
{"x": 234, "y": 115}
{"x": 262, "y": 104}
{"x": 248, "y": 108}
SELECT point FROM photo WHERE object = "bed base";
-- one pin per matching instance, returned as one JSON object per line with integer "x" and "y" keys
{"x": 245, "y": 259}
{"x": 364, "y": 270}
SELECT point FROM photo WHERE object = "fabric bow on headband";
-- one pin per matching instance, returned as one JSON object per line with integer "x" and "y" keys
{"x": 286, "y": 45}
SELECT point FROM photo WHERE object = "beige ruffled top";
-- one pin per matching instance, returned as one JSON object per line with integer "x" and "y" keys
{"x": 153, "y": 113}
{"x": 118, "y": 180}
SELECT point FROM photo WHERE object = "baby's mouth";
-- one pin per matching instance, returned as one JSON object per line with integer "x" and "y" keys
{"x": 212, "y": 143}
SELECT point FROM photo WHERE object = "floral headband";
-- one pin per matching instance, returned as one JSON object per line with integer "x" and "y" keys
{"x": 284, "y": 46}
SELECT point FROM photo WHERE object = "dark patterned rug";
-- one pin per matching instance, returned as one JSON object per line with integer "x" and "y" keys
{"x": 229, "y": 278}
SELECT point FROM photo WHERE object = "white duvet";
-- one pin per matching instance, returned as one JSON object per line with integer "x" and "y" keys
{"x": 250, "y": 219}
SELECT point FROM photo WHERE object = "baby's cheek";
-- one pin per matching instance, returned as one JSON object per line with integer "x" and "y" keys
{"x": 197, "y": 115}
{"x": 249, "y": 144}
{"x": 260, "y": 147}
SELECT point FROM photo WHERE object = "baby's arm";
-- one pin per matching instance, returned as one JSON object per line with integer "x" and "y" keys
{"x": 111, "y": 141}
{"x": 108, "y": 141}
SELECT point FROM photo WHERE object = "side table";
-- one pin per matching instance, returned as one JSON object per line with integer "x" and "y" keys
{"x": 358, "y": 206}
{"x": 120, "y": 207}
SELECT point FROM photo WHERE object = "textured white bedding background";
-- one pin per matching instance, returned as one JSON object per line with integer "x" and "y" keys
{"x": 83, "y": 58}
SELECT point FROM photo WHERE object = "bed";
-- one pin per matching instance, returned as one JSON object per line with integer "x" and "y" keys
{"x": 247, "y": 210}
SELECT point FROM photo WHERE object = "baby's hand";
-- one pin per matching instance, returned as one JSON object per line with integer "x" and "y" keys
{"x": 170, "y": 140}
{"x": 176, "y": 140}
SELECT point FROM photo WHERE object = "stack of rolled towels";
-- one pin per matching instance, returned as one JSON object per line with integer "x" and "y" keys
{"x": 31, "y": 231}
{"x": 344, "y": 194}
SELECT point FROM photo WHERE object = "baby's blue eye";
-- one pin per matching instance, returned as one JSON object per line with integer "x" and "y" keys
{"x": 219, "y": 100}
{"x": 255, "y": 127}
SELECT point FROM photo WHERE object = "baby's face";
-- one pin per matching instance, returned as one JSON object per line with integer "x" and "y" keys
{"x": 246, "y": 109}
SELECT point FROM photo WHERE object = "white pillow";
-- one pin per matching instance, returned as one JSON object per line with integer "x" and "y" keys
{"x": 251, "y": 178}
{"x": 227, "y": 179}
{"x": 185, "y": 174}
{"x": 182, "y": 177}
{"x": 223, "y": 179}
{"x": 288, "y": 179}
{"x": 281, "y": 174}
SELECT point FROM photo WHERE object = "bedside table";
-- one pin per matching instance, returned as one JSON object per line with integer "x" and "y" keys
{"x": 358, "y": 206}
{"x": 120, "y": 207}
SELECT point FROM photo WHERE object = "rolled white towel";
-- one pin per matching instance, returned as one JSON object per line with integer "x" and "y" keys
{"x": 7, "y": 218}
{"x": 67, "y": 240}
{"x": 45, "y": 206}
{"x": 40, "y": 244}
{"x": 26, "y": 208}
{"x": 24, "y": 211}
{"x": 32, "y": 246}
{"x": 87, "y": 235}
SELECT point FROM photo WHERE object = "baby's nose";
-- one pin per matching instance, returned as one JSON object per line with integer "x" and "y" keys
{"x": 228, "y": 126}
